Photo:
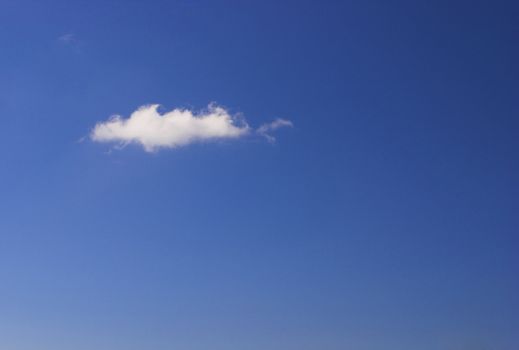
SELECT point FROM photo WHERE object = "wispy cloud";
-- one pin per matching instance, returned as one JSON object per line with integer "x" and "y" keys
{"x": 70, "y": 40}
{"x": 152, "y": 130}
{"x": 265, "y": 129}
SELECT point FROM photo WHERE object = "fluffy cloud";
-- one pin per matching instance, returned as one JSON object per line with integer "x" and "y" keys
{"x": 179, "y": 127}
{"x": 276, "y": 124}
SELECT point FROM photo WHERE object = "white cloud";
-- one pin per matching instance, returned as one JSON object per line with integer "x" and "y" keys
{"x": 264, "y": 129}
{"x": 179, "y": 127}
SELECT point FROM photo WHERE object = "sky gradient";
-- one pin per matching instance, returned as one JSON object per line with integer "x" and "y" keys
{"x": 385, "y": 218}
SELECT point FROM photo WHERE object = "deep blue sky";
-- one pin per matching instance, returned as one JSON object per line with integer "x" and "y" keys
{"x": 387, "y": 218}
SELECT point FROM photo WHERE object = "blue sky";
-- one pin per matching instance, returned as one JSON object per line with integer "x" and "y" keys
{"x": 384, "y": 218}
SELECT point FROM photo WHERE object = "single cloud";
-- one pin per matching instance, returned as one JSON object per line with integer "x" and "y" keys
{"x": 176, "y": 128}
{"x": 264, "y": 129}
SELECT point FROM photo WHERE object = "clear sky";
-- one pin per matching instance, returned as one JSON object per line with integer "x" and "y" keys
{"x": 384, "y": 216}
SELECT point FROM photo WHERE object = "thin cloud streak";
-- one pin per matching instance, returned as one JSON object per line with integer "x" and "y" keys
{"x": 265, "y": 129}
